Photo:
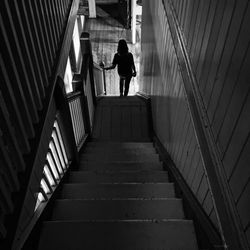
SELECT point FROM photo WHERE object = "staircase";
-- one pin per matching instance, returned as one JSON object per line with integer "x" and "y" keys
{"x": 119, "y": 198}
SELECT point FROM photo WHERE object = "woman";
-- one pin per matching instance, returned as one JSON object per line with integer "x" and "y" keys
{"x": 126, "y": 67}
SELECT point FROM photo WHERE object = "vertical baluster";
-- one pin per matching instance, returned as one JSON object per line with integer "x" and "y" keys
{"x": 50, "y": 175}
{"x": 45, "y": 178}
{"x": 52, "y": 169}
{"x": 79, "y": 117}
{"x": 44, "y": 195}
{"x": 57, "y": 152}
{"x": 53, "y": 165}
{"x": 76, "y": 122}
{"x": 72, "y": 118}
{"x": 61, "y": 142}
{"x": 54, "y": 155}
{"x": 59, "y": 149}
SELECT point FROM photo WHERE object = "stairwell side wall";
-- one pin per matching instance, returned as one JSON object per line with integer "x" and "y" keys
{"x": 214, "y": 35}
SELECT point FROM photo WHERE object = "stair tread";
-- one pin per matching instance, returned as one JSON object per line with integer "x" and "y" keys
{"x": 68, "y": 209}
{"x": 142, "y": 176}
{"x": 112, "y": 144}
{"x": 120, "y": 153}
{"x": 120, "y": 166}
{"x": 126, "y": 150}
{"x": 76, "y": 190}
{"x": 118, "y": 235}
{"x": 105, "y": 157}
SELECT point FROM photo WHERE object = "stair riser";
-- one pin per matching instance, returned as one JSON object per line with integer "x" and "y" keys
{"x": 119, "y": 157}
{"x": 117, "y": 209}
{"x": 171, "y": 235}
{"x": 137, "y": 177}
{"x": 126, "y": 151}
{"x": 81, "y": 191}
{"x": 120, "y": 166}
{"x": 124, "y": 145}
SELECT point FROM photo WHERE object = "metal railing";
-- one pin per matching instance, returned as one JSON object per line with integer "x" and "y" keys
{"x": 56, "y": 164}
{"x": 67, "y": 125}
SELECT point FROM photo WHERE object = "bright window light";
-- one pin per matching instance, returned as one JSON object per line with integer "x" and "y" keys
{"x": 68, "y": 78}
{"x": 76, "y": 42}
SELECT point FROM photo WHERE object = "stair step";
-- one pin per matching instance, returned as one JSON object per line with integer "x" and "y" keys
{"x": 118, "y": 209}
{"x": 118, "y": 177}
{"x": 104, "y": 157}
{"x": 117, "y": 150}
{"x": 121, "y": 166}
{"x": 120, "y": 145}
{"x": 104, "y": 191}
{"x": 77, "y": 235}
{"x": 121, "y": 138}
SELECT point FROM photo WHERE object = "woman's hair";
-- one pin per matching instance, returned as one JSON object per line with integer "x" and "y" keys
{"x": 122, "y": 47}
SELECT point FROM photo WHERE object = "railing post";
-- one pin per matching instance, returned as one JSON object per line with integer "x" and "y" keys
{"x": 104, "y": 77}
{"x": 87, "y": 58}
{"x": 78, "y": 85}
{"x": 62, "y": 105}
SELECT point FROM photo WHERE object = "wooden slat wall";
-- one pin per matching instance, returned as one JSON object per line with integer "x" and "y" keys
{"x": 216, "y": 35}
{"x": 31, "y": 34}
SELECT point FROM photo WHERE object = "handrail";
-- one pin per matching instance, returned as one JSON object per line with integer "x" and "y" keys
{"x": 98, "y": 66}
{"x": 74, "y": 95}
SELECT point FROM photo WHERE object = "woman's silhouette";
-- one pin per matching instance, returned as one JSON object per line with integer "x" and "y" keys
{"x": 126, "y": 67}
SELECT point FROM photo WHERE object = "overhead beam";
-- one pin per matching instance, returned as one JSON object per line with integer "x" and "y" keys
{"x": 92, "y": 8}
{"x": 133, "y": 20}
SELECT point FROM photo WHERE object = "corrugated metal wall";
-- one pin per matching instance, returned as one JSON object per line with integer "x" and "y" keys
{"x": 216, "y": 36}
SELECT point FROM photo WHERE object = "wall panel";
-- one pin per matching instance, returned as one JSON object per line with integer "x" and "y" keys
{"x": 216, "y": 35}
{"x": 31, "y": 33}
